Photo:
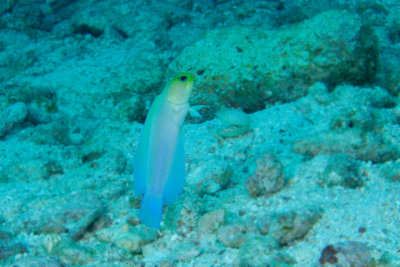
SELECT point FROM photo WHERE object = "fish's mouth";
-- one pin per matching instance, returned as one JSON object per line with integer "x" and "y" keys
{"x": 181, "y": 97}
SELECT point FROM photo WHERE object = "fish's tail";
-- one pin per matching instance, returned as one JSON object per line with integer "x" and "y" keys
{"x": 150, "y": 211}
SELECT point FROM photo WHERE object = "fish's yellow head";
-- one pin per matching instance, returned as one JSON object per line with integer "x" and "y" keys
{"x": 179, "y": 88}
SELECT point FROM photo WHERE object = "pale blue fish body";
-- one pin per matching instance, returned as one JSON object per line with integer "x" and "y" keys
{"x": 159, "y": 162}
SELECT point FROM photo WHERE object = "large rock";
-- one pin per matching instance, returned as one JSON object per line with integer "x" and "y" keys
{"x": 250, "y": 68}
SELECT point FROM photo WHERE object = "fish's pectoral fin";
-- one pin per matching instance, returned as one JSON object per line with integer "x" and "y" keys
{"x": 176, "y": 176}
{"x": 194, "y": 111}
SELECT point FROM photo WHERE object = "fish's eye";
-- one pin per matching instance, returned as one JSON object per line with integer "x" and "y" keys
{"x": 183, "y": 78}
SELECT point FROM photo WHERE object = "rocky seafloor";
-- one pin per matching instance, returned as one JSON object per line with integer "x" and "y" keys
{"x": 294, "y": 163}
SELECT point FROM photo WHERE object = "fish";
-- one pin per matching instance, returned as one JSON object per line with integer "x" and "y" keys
{"x": 159, "y": 160}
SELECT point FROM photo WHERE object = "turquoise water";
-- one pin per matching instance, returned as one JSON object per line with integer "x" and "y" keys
{"x": 289, "y": 154}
